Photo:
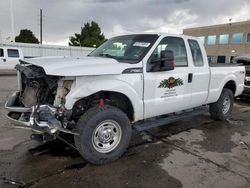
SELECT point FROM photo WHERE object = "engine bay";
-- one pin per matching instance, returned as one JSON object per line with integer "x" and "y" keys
{"x": 36, "y": 87}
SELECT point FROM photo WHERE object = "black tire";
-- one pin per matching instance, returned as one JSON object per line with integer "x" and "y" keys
{"x": 87, "y": 125}
{"x": 216, "y": 109}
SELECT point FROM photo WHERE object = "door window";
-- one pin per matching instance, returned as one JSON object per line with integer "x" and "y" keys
{"x": 1, "y": 52}
{"x": 174, "y": 44}
{"x": 13, "y": 53}
{"x": 196, "y": 52}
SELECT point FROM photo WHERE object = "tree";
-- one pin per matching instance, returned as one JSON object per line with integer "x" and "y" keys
{"x": 90, "y": 36}
{"x": 26, "y": 36}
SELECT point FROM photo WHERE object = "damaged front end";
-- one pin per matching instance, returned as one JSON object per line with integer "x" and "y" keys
{"x": 39, "y": 103}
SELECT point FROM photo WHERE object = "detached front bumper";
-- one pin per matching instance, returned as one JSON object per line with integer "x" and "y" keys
{"x": 40, "y": 120}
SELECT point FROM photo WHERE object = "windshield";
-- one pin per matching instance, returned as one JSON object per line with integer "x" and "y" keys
{"x": 128, "y": 48}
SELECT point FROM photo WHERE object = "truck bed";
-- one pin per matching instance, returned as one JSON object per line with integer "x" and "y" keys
{"x": 223, "y": 65}
{"x": 222, "y": 73}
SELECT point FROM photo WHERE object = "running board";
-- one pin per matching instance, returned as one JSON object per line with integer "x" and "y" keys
{"x": 160, "y": 121}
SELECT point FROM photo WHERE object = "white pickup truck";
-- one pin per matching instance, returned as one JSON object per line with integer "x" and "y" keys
{"x": 129, "y": 81}
{"x": 9, "y": 57}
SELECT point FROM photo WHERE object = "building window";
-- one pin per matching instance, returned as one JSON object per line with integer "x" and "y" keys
{"x": 212, "y": 59}
{"x": 221, "y": 59}
{"x": 202, "y": 39}
{"x": 237, "y": 38}
{"x": 211, "y": 40}
{"x": 248, "y": 37}
{"x": 1, "y": 52}
{"x": 224, "y": 39}
{"x": 13, "y": 53}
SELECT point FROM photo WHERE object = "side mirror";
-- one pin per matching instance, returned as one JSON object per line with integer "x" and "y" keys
{"x": 165, "y": 63}
{"x": 167, "y": 59}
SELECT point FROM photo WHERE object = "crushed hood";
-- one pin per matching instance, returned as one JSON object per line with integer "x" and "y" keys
{"x": 84, "y": 66}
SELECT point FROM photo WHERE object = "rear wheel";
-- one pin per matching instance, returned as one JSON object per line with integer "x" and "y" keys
{"x": 105, "y": 133}
{"x": 222, "y": 109}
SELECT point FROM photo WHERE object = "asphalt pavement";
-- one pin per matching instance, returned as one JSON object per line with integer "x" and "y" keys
{"x": 196, "y": 152}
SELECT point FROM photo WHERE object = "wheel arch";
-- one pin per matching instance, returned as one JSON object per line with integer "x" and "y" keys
{"x": 111, "y": 98}
{"x": 216, "y": 91}
{"x": 231, "y": 84}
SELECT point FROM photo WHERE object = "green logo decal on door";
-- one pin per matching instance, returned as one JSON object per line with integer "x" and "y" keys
{"x": 170, "y": 83}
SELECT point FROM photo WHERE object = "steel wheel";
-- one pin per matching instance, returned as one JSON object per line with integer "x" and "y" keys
{"x": 226, "y": 105}
{"x": 106, "y": 136}
{"x": 105, "y": 132}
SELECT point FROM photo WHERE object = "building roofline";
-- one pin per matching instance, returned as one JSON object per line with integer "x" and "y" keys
{"x": 219, "y": 25}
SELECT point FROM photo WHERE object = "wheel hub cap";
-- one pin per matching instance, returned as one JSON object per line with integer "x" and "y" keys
{"x": 106, "y": 136}
{"x": 226, "y": 105}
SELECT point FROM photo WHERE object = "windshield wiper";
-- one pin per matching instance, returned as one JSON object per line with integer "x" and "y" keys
{"x": 107, "y": 55}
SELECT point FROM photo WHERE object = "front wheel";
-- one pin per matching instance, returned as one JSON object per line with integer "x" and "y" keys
{"x": 105, "y": 133}
{"x": 222, "y": 109}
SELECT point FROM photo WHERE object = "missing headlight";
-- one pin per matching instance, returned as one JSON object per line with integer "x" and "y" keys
{"x": 63, "y": 89}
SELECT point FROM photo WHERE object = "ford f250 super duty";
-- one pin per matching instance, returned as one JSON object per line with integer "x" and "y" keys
{"x": 132, "y": 81}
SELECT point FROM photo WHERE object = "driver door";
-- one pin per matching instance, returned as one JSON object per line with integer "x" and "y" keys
{"x": 168, "y": 91}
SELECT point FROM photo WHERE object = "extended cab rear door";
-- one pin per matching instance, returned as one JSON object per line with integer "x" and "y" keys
{"x": 199, "y": 72}
{"x": 168, "y": 91}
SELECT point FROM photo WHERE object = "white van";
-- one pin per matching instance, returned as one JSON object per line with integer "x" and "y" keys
{"x": 9, "y": 57}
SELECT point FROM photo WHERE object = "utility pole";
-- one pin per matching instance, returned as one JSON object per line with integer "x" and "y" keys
{"x": 41, "y": 26}
{"x": 12, "y": 21}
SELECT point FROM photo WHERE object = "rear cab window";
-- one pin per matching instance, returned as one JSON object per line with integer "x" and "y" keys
{"x": 196, "y": 53}
{"x": 13, "y": 53}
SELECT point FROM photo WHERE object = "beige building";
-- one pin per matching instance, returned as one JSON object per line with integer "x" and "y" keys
{"x": 223, "y": 42}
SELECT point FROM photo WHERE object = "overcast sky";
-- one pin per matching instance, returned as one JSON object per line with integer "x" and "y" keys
{"x": 62, "y": 18}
